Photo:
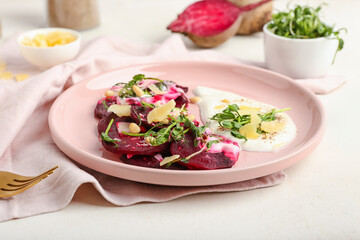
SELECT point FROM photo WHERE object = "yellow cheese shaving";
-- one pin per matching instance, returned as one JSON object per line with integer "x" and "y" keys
{"x": 21, "y": 77}
{"x": 51, "y": 39}
{"x": 244, "y": 107}
{"x": 255, "y": 119}
{"x": 2, "y": 66}
{"x": 247, "y": 112}
{"x": 249, "y": 131}
{"x": 6, "y": 75}
{"x": 169, "y": 159}
{"x": 160, "y": 113}
{"x": 273, "y": 126}
{"x": 219, "y": 107}
{"x": 120, "y": 110}
{"x": 155, "y": 89}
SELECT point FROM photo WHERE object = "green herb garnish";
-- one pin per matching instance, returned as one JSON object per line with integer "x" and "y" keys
{"x": 303, "y": 22}
{"x": 127, "y": 91}
{"x": 230, "y": 119}
{"x": 149, "y": 105}
{"x": 104, "y": 104}
{"x": 174, "y": 131}
{"x": 104, "y": 136}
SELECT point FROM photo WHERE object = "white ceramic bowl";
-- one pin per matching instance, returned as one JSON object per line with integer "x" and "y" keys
{"x": 45, "y": 57}
{"x": 298, "y": 58}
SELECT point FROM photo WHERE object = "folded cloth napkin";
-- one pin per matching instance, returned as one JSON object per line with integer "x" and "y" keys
{"x": 27, "y": 148}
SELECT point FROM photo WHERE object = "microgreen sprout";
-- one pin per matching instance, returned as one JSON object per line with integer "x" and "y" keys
{"x": 303, "y": 22}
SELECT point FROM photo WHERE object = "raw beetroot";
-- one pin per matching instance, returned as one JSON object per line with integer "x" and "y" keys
{"x": 211, "y": 22}
{"x": 206, "y": 18}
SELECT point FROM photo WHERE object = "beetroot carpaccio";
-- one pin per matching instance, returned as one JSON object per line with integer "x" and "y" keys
{"x": 147, "y": 123}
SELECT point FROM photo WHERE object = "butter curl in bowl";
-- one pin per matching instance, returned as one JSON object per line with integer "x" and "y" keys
{"x": 47, "y": 47}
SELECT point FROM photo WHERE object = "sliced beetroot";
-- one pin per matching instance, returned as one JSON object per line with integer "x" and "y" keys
{"x": 139, "y": 115}
{"x": 148, "y": 161}
{"x": 204, "y": 160}
{"x": 134, "y": 146}
{"x": 126, "y": 144}
{"x": 141, "y": 160}
{"x": 185, "y": 89}
{"x": 181, "y": 100}
{"x": 100, "y": 109}
{"x": 209, "y": 23}
{"x": 104, "y": 122}
{"x": 206, "y": 18}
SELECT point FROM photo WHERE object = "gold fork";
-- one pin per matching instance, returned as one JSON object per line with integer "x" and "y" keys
{"x": 12, "y": 184}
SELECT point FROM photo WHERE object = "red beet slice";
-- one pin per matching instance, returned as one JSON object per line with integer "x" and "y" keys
{"x": 127, "y": 144}
{"x": 148, "y": 161}
{"x": 100, "y": 110}
{"x": 206, "y": 18}
{"x": 185, "y": 89}
{"x": 202, "y": 161}
{"x": 104, "y": 122}
{"x": 181, "y": 100}
{"x": 141, "y": 160}
{"x": 209, "y": 23}
{"x": 139, "y": 115}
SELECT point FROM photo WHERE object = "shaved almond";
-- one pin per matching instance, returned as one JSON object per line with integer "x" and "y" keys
{"x": 169, "y": 159}
{"x": 120, "y": 110}
{"x": 160, "y": 113}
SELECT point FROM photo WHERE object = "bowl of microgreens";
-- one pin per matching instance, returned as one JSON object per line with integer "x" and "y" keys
{"x": 297, "y": 43}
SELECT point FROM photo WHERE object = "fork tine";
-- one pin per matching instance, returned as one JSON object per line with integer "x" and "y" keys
{"x": 18, "y": 183}
{"x": 27, "y": 179}
{"x": 24, "y": 183}
{"x": 26, "y": 186}
{"x": 6, "y": 194}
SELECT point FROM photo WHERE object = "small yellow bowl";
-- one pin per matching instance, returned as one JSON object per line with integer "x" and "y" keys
{"x": 46, "y": 57}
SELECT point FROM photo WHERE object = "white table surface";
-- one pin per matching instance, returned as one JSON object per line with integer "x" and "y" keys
{"x": 320, "y": 198}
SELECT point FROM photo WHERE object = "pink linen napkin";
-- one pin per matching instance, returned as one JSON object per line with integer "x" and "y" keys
{"x": 27, "y": 148}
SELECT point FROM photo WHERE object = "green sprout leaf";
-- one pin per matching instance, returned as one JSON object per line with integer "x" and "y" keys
{"x": 104, "y": 136}
{"x": 231, "y": 120}
{"x": 303, "y": 22}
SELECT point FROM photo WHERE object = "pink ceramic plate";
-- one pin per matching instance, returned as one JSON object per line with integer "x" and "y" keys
{"x": 74, "y": 128}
